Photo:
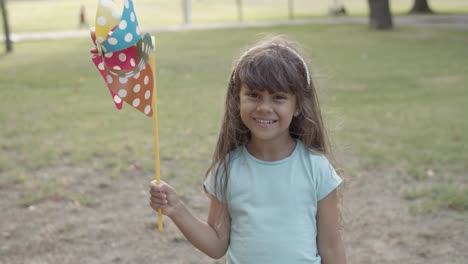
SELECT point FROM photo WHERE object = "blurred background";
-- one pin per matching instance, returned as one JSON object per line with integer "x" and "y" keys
{"x": 49, "y": 15}
{"x": 74, "y": 171}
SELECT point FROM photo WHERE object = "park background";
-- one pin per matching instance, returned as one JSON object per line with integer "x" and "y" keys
{"x": 74, "y": 171}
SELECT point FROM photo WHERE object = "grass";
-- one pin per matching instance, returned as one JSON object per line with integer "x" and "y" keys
{"x": 392, "y": 99}
{"x": 54, "y": 15}
{"x": 447, "y": 196}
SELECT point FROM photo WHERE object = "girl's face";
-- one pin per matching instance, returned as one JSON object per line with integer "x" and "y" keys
{"x": 267, "y": 115}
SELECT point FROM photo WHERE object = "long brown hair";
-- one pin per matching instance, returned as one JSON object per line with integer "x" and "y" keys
{"x": 272, "y": 64}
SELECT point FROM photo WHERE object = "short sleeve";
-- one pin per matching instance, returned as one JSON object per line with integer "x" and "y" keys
{"x": 327, "y": 179}
{"x": 209, "y": 183}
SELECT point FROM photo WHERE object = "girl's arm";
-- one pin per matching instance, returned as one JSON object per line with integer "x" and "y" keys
{"x": 329, "y": 239}
{"x": 211, "y": 239}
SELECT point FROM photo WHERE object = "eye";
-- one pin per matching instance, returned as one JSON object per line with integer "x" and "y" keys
{"x": 280, "y": 97}
{"x": 252, "y": 94}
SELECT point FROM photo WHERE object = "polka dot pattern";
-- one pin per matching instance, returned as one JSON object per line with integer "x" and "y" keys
{"x": 123, "y": 79}
{"x": 126, "y": 32}
{"x": 104, "y": 3}
{"x": 101, "y": 21}
{"x": 122, "y": 93}
{"x": 137, "y": 88}
{"x": 136, "y": 102}
{"x": 123, "y": 24}
{"x": 98, "y": 61}
{"x": 122, "y": 57}
{"x": 147, "y": 110}
{"x": 137, "y": 92}
{"x": 123, "y": 63}
{"x": 113, "y": 41}
{"x": 134, "y": 91}
{"x": 107, "y": 17}
{"x": 117, "y": 99}
{"x": 128, "y": 37}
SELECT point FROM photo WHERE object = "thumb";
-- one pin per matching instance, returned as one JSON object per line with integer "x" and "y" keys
{"x": 161, "y": 187}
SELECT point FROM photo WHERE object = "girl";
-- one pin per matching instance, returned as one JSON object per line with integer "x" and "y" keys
{"x": 272, "y": 189}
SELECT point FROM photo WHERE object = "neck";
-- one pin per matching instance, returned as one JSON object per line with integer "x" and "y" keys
{"x": 271, "y": 150}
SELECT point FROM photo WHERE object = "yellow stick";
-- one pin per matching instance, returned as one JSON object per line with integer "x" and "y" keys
{"x": 155, "y": 124}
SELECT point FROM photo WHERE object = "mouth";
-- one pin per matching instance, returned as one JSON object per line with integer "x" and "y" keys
{"x": 265, "y": 122}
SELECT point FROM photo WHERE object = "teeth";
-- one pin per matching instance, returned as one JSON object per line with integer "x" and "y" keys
{"x": 265, "y": 121}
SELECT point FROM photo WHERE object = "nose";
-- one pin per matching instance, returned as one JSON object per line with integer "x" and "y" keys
{"x": 264, "y": 106}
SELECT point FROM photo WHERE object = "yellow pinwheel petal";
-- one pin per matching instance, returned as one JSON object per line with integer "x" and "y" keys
{"x": 107, "y": 17}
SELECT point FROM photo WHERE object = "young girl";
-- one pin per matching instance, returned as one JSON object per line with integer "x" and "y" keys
{"x": 272, "y": 189}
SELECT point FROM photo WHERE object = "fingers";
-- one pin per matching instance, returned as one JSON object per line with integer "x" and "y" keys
{"x": 161, "y": 187}
{"x": 159, "y": 195}
{"x": 158, "y": 192}
{"x": 157, "y": 205}
{"x": 159, "y": 199}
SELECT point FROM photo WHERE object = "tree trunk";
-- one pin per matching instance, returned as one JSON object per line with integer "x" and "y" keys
{"x": 421, "y": 7}
{"x": 380, "y": 16}
{"x": 6, "y": 27}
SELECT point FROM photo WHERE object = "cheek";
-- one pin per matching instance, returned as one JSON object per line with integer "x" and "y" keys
{"x": 245, "y": 105}
{"x": 243, "y": 112}
{"x": 290, "y": 108}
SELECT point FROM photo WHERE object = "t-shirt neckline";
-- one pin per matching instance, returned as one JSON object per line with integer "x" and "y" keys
{"x": 276, "y": 162}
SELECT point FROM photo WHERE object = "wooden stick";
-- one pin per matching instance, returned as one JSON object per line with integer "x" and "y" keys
{"x": 155, "y": 124}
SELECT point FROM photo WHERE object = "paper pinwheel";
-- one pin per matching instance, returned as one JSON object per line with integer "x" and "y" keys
{"x": 122, "y": 56}
{"x": 126, "y": 62}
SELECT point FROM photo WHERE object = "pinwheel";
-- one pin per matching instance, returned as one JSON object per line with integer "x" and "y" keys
{"x": 125, "y": 60}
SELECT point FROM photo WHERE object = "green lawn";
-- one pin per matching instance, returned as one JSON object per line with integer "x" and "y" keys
{"x": 53, "y": 15}
{"x": 391, "y": 99}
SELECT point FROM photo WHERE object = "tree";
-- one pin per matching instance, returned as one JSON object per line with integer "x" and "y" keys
{"x": 421, "y": 7}
{"x": 6, "y": 27}
{"x": 380, "y": 16}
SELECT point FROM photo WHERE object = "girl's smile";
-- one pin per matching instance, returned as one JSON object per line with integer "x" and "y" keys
{"x": 264, "y": 122}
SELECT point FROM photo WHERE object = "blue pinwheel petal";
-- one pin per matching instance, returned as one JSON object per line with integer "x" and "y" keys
{"x": 126, "y": 33}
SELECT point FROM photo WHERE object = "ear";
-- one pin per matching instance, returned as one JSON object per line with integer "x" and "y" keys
{"x": 296, "y": 114}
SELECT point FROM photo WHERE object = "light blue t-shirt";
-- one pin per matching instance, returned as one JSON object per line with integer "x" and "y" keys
{"x": 273, "y": 206}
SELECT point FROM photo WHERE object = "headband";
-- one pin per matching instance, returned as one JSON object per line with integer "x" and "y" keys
{"x": 278, "y": 45}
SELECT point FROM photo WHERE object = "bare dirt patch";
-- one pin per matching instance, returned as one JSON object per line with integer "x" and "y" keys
{"x": 381, "y": 229}
{"x": 119, "y": 226}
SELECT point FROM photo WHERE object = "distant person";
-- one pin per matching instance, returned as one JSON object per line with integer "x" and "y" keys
{"x": 83, "y": 22}
{"x": 273, "y": 191}
{"x": 337, "y": 9}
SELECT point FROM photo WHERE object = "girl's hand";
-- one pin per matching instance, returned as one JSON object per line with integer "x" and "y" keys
{"x": 165, "y": 197}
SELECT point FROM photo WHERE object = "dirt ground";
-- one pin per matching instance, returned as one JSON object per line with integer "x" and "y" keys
{"x": 120, "y": 227}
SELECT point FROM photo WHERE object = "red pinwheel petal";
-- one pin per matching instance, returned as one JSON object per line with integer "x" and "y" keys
{"x": 122, "y": 60}
{"x": 97, "y": 60}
